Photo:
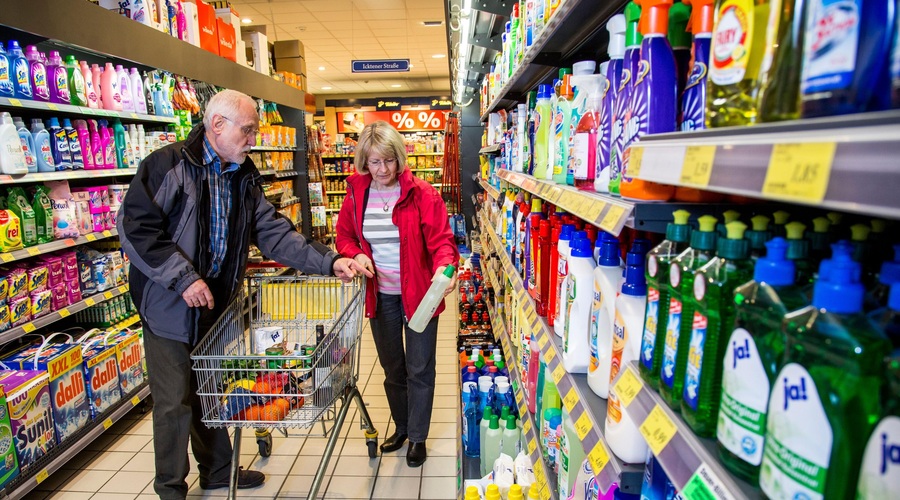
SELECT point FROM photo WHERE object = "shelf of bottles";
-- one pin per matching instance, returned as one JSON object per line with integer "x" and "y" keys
{"x": 490, "y": 190}
{"x": 12, "y": 104}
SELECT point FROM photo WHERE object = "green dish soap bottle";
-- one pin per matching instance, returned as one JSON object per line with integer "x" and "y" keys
{"x": 658, "y": 259}
{"x": 879, "y": 476}
{"x": 727, "y": 216}
{"x": 753, "y": 358}
{"x": 781, "y": 218}
{"x": 680, "y": 289}
{"x": 818, "y": 240}
{"x": 828, "y": 394}
{"x": 713, "y": 297}
{"x": 779, "y": 92}
{"x": 758, "y": 236}
{"x": 798, "y": 252}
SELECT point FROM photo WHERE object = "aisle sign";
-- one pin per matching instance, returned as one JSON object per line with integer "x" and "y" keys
{"x": 379, "y": 65}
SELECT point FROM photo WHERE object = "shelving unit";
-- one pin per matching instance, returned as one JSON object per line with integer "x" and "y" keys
{"x": 588, "y": 413}
{"x": 264, "y": 149}
{"x": 52, "y": 109}
{"x": 490, "y": 150}
{"x": 67, "y": 175}
{"x": 282, "y": 175}
{"x": 490, "y": 190}
{"x": 54, "y": 246}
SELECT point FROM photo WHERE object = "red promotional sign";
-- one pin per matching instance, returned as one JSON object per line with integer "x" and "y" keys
{"x": 408, "y": 120}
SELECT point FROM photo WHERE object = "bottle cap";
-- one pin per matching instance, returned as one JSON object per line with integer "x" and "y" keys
{"x": 67, "y": 123}
{"x": 679, "y": 230}
{"x": 633, "y": 36}
{"x": 544, "y": 228}
{"x": 860, "y": 232}
{"x": 535, "y": 205}
{"x": 470, "y": 366}
{"x": 53, "y": 122}
{"x": 609, "y": 251}
{"x": 821, "y": 224}
{"x": 543, "y": 91}
{"x": 449, "y": 271}
{"x": 582, "y": 248}
{"x": 759, "y": 222}
{"x": 502, "y": 388}
{"x": 504, "y": 412}
{"x": 798, "y": 247}
{"x": 679, "y": 36}
{"x": 566, "y": 232}
{"x": 70, "y": 59}
{"x": 487, "y": 413}
{"x": 702, "y": 15}
{"x": 781, "y": 217}
{"x": 616, "y": 28}
{"x": 775, "y": 269}
{"x": 563, "y": 72}
{"x": 654, "y": 16}
{"x": 705, "y": 237}
{"x": 734, "y": 246}
{"x": 730, "y": 216}
{"x": 840, "y": 291}
{"x": 635, "y": 281}
{"x": 890, "y": 269}
{"x": 511, "y": 422}
{"x": 583, "y": 67}
{"x": 841, "y": 249}
{"x": 878, "y": 226}
{"x": 495, "y": 422}
{"x": 641, "y": 246}
{"x": 566, "y": 88}
{"x": 835, "y": 217}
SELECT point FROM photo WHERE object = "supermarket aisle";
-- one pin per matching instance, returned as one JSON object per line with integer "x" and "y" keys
{"x": 119, "y": 465}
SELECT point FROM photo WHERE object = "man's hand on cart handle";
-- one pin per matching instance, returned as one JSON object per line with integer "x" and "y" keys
{"x": 452, "y": 285}
{"x": 198, "y": 295}
{"x": 347, "y": 269}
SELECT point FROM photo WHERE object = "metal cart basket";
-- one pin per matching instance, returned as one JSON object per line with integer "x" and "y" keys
{"x": 285, "y": 354}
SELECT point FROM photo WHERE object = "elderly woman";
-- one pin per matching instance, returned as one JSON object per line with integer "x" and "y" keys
{"x": 396, "y": 225}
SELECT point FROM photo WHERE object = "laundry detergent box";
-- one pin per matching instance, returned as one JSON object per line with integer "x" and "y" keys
{"x": 128, "y": 354}
{"x": 30, "y": 413}
{"x": 9, "y": 466}
{"x": 101, "y": 372}
{"x": 63, "y": 364}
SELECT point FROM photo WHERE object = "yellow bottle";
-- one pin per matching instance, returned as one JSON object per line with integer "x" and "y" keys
{"x": 515, "y": 493}
{"x": 492, "y": 493}
{"x": 534, "y": 492}
{"x": 472, "y": 493}
{"x": 738, "y": 47}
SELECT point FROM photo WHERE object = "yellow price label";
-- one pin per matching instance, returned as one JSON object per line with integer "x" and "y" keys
{"x": 583, "y": 425}
{"x": 43, "y": 474}
{"x": 800, "y": 171}
{"x": 89, "y": 301}
{"x": 52, "y": 106}
{"x": 135, "y": 400}
{"x": 123, "y": 288}
{"x": 108, "y": 295}
{"x": 570, "y": 399}
{"x": 90, "y": 237}
{"x": 134, "y": 115}
{"x": 627, "y": 388}
{"x": 598, "y": 457}
{"x": 519, "y": 397}
{"x": 558, "y": 373}
{"x": 698, "y": 164}
{"x": 526, "y": 427}
{"x": 635, "y": 158}
{"x": 549, "y": 355}
{"x": 107, "y": 233}
{"x": 555, "y": 194}
{"x": 107, "y": 423}
{"x": 15, "y": 102}
{"x": 593, "y": 209}
{"x": 64, "y": 312}
{"x": 532, "y": 445}
{"x": 611, "y": 219}
{"x": 29, "y": 327}
{"x": 542, "y": 340}
{"x": 545, "y": 493}
{"x": 658, "y": 430}
{"x": 5, "y": 257}
{"x": 32, "y": 251}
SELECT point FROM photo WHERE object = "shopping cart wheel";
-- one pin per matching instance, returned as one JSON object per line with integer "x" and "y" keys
{"x": 265, "y": 444}
{"x": 373, "y": 448}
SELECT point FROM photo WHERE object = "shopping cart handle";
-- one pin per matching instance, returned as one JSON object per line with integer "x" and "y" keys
{"x": 264, "y": 265}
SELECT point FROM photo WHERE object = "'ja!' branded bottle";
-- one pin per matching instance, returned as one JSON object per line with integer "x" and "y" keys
{"x": 681, "y": 289}
{"x": 753, "y": 358}
{"x": 828, "y": 395}
{"x": 693, "y": 100}
{"x": 678, "y": 234}
{"x": 714, "y": 285}
{"x": 879, "y": 476}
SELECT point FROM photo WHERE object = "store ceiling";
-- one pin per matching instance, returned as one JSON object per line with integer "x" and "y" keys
{"x": 334, "y": 32}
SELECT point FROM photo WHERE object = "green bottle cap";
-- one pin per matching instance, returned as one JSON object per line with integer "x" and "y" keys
{"x": 495, "y": 421}
{"x": 798, "y": 247}
{"x": 821, "y": 224}
{"x": 679, "y": 230}
{"x": 504, "y": 412}
{"x": 734, "y": 246}
{"x": 531, "y": 100}
{"x": 781, "y": 217}
{"x": 731, "y": 216}
{"x": 511, "y": 422}
{"x": 679, "y": 36}
{"x": 563, "y": 72}
{"x": 449, "y": 271}
{"x": 487, "y": 414}
{"x": 835, "y": 217}
{"x": 705, "y": 237}
{"x": 879, "y": 226}
{"x": 760, "y": 222}
{"x": 860, "y": 232}
{"x": 633, "y": 36}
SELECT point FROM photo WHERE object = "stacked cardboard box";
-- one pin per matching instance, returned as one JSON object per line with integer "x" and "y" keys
{"x": 290, "y": 61}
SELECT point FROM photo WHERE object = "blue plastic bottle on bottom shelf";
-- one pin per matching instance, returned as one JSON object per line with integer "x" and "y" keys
{"x": 470, "y": 434}
{"x": 656, "y": 485}
{"x": 485, "y": 392}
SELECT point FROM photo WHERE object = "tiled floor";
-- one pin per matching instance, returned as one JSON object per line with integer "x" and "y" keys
{"x": 119, "y": 465}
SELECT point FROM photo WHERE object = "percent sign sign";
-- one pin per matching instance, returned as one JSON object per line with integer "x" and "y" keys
{"x": 403, "y": 120}
{"x": 429, "y": 120}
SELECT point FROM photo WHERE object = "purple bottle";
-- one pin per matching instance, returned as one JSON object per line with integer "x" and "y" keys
{"x": 57, "y": 79}
{"x": 693, "y": 101}
{"x": 616, "y": 51}
{"x": 40, "y": 89}
{"x": 623, "y": 98}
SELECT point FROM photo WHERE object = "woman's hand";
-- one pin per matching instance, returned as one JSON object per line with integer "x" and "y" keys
{"x": 452, "y": 285}
{"x": 365, "y": 261}
{"x": 347, "y": 269}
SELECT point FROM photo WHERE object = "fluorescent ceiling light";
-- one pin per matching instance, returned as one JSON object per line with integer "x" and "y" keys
{"x": 246, "y": 20}
{"x": 321, "y": 68}
{"x": 326, "y": 88}
{"x": 396, "y": 85}
{"x": 439, "y": 56}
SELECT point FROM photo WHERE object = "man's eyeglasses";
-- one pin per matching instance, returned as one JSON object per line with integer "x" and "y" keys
{"x": 389, "y": 162}
{"x": 247, "y": 130}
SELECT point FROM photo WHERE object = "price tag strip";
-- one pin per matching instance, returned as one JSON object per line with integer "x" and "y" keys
{"x": 800, "y": 171}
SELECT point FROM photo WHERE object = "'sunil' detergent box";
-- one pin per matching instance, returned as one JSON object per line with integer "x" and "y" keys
{"x": 63, "y": 363}
{"x": 9, "y": 466}
{"x": 101, "y": 371}
{"x": 128, "y": 353}
{"x": 30, "y": 414}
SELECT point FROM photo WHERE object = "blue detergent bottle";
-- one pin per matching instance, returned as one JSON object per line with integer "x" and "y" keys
{"x": 21, "y": 72}
{"x": 42, "y": 148}
{"x": 74, "y": 145}
{"x": 59, "y": 145}
{"x": 846, "y": 45}
{"x": 7, "y": 75}
{"x": 470, "y": 431}
{"x": 693, "y": 100}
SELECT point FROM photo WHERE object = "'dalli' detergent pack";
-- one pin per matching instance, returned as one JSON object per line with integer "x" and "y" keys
{"x": 30, "y": 413}
{"x": 101, "y": 371}
{"x": 128, "y": 354}
{"x": 9, "y": 467}
{"x": 63, "y": 364}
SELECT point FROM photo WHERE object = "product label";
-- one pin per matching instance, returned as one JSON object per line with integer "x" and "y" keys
{"x": 62, "y": 83}
{"x": 29, "y": 156}
{"x": 617, "y": 140}
{"x": 651, "y": 320}
{"x": 732, "y": 40}
{"x": 570, "y": 298}
{"x": 560, "y": 143}
{"x": 879, "y": 476}
{"x": 695, "y": 359}
{"x": 745, "y": 397}
{"x": 39, "y": 76}
{"x": 693, "y": 101}
{"x": 75, "y": 147}
{"x": 673, "y": 329}
{"x": 596, "y": 311}
{"x": 603, "y": 148}
{"x": 832, "y": 36}
{"x": 6, "y": 84}
{"x": 636, "y": 117}
{"x": 23, "y": 85}
{"x": 46, "y": 153}
{"x": 799, "y": 438}
{"x": 562, "y": 271}
{"x": 674, "y": 275}
{"x": 584, "y": 154}
{"x": 620, "y": 339}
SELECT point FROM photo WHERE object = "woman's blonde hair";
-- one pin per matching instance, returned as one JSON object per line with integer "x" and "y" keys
{"x": 381, "y": 138}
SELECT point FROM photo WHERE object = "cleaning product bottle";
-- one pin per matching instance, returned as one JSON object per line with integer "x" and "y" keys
{"x": 137, "y": 91}
{"x": 753, "y": 358}
{"x": 680, "y": 289}
{"x": 74, "y": 145}
{"x": 542, "y": 290}
{"x": 43, "y": 214}
{"x": 84, "y": 144}
{"x": 509, "y": 437}
{"x": 779, "y": 82}
{"x": 17, "y": 202}
{"x": 607, "y": 279}
{"x": 549, "y": 399}
{"x": 587, "y": 135}
{"x": 693, "y": 100}
{"x": 737, "y": 50}
{"x": 58, "y": 79}
{"x": 616, "y": 51}
{"x": 878, "y": 475}
{"x": 470, "y": 434}
{"x": 109, "y": 86}
{"x": 560, "y": 292}
{"x": 678, "y": 234}
{"x": 532, "y": 225}
{"x": 680, "y": 40}
{"x": 491, "y": 445}
{"x": 845, "y": 48}
{"x": 828, "y": 394}
{"x": 818, "y": 240}
{"x": 562, "y": 121}
{"x": 75, "y": 80}
{"x": 92, "y": 99}
{"x": 27, "y": 142}
{"x": 7, "y": 74}
{"x": 59, "y": 145}
{"x": 125, "y": 88}
{"x": 798, "y": 252}
{"x": 621, "y": 431}
{"x": 21, "y": 71}
{"x": 758, "y": 235}
{"x": 571, "y": 456}
{"x": 12, "y": 158}
{"x": 549, "y": 441}
{"x": 781, "y": 218}
{"x": 97, "y": 78}
{"x": 40, "y": 86}
{"x": 121, "y": 160}
{"x": 107, "y": 144}
{"x": 42, "y": 148}
{"x": 622, "y": 110}
{"x": 534, "y": 363}
{"x": 654, "y": 100}
{"x": 576, "y": 349}
{"x": 542, "y": 118}
{"x": 713, "y": 298}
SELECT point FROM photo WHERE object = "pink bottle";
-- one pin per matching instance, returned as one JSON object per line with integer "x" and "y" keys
{"x": 93, "y": 99}
{"x": 96, "y": 147}
{"x": 534, "y": 366}
{"x": 96, "y": 72}
{"x": 109, "y": 88}
{"x": 107, "y": 145}
{"x": 84, "y": 140}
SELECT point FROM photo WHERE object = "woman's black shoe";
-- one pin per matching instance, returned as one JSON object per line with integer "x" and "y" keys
{"x": 393, "y": 443}
{"x": 415, "y": 454}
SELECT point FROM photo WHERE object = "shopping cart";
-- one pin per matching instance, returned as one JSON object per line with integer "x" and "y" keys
{"x": 285, "y": 354}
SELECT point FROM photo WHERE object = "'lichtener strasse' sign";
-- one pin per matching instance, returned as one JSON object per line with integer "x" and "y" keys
{"x": 380, "y": 66}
